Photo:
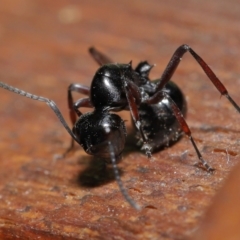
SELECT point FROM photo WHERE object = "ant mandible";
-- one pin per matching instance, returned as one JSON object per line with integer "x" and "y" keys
{"x": 157, "y": 108}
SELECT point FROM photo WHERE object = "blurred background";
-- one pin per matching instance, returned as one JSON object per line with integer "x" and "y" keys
{"x": 44, "y": 48}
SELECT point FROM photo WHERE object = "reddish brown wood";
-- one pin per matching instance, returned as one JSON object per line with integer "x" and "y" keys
{"x": 222, "y": 218}
{"x": 44, "y": 49}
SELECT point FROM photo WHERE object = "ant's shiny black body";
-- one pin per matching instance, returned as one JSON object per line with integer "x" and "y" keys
{"x": 108, "y": 93}
{"x": 157, "y": 108}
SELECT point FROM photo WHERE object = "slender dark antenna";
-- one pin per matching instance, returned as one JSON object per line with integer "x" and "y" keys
{"x": 119, "y": 181}
{"x": 49, "y": 102}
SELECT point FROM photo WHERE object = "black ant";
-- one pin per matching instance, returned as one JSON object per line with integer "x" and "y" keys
{"x": 157, "y": 108}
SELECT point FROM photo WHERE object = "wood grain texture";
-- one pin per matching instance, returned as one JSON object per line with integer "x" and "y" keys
{"x": 43, "y": 46}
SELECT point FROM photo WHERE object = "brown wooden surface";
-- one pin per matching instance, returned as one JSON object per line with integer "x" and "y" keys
{"x": 43, "y": 48}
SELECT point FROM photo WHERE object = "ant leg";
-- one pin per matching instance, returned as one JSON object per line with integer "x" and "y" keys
{"x": 173, "y": 64}
{"x": 134, "y": 99}
{"x": 99, "y": 57}
{"x": 119, "y": 181}
{"x": 75, "y": 87}
{"x": 49, "y": 102}
{"x": 157, "y": 97}
{"x": 73, "y": 110}
{"x": 83, "y": 102}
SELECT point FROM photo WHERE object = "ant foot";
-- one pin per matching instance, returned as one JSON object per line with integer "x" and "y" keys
{"x": 205, "y": 166}
{"x": 147, "y": 148}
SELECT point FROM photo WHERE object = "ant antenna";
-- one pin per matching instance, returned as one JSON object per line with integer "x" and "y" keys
{"x": 119, "y": 181}
{"x": 49, "y": 102}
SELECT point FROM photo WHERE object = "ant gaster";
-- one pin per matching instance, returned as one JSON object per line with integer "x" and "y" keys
{"x": 157, "y": 108}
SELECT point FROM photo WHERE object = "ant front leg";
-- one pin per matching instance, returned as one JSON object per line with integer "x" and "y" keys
{"x": 174, "y": 62}
{"x": 73, "y": 107}
{"x": 157, "y": 97}
{"x": 134, "y": 99}
{"x": 75, "y": 87}
{"x": 83, "y": 102}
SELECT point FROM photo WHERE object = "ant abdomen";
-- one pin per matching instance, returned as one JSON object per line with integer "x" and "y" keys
{"x": 96, "y": 129}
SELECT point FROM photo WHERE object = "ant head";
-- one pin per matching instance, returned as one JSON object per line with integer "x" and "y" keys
{"x": 95, "y": 130}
